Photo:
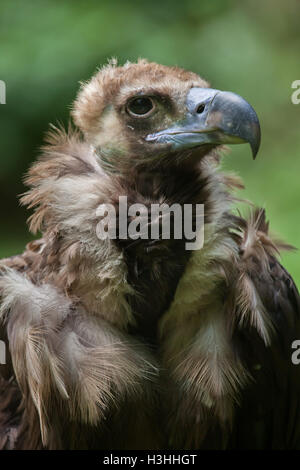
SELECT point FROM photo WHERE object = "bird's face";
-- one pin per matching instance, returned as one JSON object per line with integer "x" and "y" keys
{"x": 146, "y": 112}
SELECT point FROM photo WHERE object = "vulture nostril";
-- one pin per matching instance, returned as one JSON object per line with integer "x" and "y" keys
{"x": 200, "y": 108}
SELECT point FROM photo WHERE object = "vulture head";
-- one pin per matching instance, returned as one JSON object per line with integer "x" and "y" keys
{"x": 149, "y": 114}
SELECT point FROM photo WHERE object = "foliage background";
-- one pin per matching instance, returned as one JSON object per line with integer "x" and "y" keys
{"x": 250, "y": 47}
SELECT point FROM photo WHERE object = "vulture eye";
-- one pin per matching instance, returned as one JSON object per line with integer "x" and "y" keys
{"x": 140, "y": 107}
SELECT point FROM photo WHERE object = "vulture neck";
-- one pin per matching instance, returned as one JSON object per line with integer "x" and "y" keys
{"x": 154, "y": 267}
{"x": 192, "y": 179}
{"x": 68, "y": 184}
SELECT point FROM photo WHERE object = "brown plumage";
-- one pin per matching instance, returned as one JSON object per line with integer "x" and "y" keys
{"x": 122, "y": 344}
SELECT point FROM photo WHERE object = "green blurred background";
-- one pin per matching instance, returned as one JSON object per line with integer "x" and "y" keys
{"x": 251, "y": 47}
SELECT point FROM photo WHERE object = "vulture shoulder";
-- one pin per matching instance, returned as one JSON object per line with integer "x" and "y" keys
{"x": 67, "y": 371}
{"x": 14, "y": 425}
{"x": 269, "y": 411}
{"x": 227, "y": 343}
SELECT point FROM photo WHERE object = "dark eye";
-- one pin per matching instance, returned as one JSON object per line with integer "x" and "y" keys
{"x": 141, "y": 106}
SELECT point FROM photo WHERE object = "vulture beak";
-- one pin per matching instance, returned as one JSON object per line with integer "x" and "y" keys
{"x": 213, "y": 117}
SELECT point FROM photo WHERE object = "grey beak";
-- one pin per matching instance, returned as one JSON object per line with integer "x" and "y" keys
{"x": 213, "y": 117}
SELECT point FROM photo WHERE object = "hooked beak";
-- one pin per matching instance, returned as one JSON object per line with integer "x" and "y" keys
{"x": 213, "y": 117}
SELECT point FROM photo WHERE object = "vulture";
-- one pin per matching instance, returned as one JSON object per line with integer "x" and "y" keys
{"x": 118, "y": 342}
